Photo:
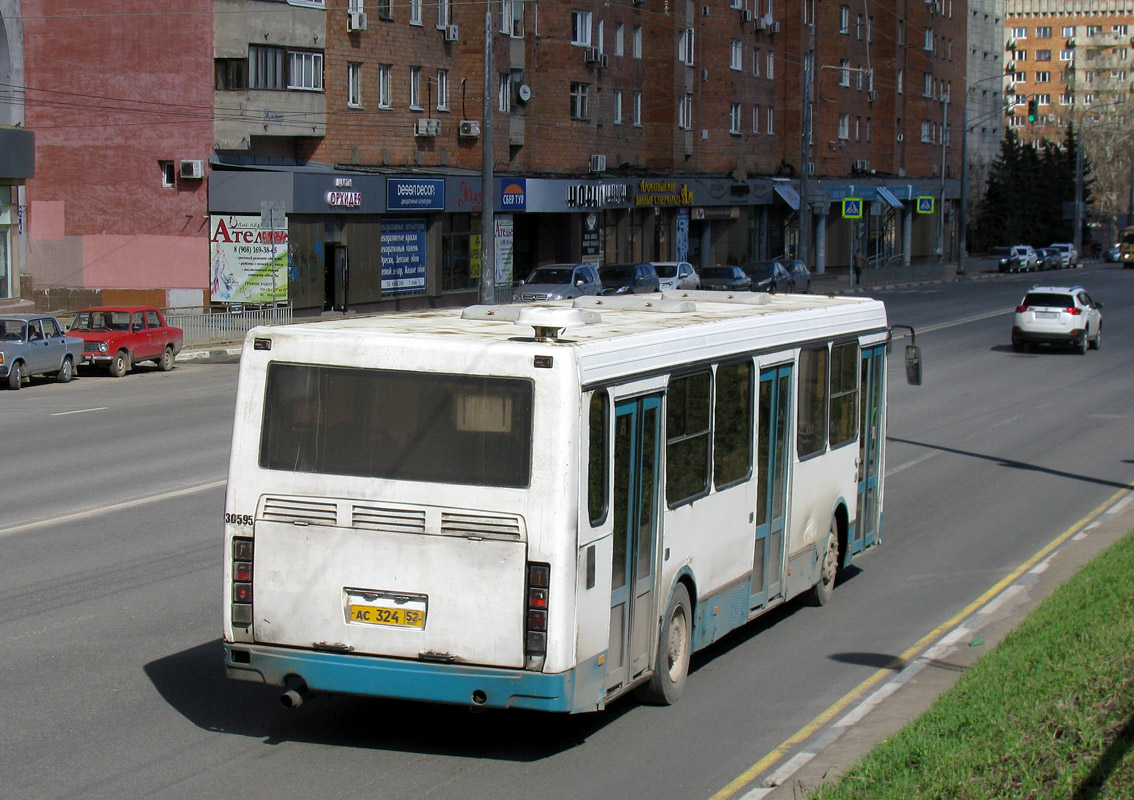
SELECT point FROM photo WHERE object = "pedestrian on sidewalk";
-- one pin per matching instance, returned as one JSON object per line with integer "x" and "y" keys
{"x": 860, "y": 263}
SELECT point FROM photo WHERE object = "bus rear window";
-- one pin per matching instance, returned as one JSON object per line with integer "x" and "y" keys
{"x": 407, "y": 426}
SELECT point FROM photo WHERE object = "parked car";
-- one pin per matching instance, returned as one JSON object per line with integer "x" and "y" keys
{"x": 1018, "y": 258}
{"x": 725, "y": 278}
{"x": 35, "y": 344}
{"x": 800, "y": 275}
{"x": 637, "y": 278}
{"x": 1049, "y": 258}
{"x": 118, "y": 337}
{"x": 676, "y": 275}
{"x": 1057, "y": 315}
{"x": 769, "y": 276}
{"x": 558, "y": 282}
{"x": 1068, "y": 252}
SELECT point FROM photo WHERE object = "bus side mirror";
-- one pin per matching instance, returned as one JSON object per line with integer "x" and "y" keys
{"x": 913, "y": 365}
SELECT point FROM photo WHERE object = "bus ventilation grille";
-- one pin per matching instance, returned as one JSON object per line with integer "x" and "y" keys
{"x": 302, "y": 512}
{"x": 493, "y": 526}
{"x": 393, "y": 520}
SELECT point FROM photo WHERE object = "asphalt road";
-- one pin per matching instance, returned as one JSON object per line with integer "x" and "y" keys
{"x": 110, "y": 582}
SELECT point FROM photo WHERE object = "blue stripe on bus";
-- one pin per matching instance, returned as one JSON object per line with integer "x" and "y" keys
{"x": 374, "y": 676}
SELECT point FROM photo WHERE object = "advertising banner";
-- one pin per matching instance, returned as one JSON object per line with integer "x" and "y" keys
{"x": 247, "y": 263}
{"x": 403, "y": 255}
{"x": 504, "y": 248}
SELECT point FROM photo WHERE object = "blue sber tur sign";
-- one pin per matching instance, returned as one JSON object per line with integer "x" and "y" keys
{"x": 852, "y": 208}
{"x": 925, "y": 205}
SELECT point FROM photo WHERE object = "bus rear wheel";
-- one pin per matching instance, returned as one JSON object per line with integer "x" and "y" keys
{"x": 675, "y": 645}
{"x": 825, "y": 587}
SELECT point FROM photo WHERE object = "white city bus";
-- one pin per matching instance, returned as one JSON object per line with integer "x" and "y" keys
{"x": 544, "y": 507}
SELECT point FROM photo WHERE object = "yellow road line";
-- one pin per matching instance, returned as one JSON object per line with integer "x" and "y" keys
{"x": 822, "y": 719}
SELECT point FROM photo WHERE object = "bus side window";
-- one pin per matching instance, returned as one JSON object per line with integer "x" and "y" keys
{"x": 811, "y": 438}
{"x": 598, "y": 458}
{"x": 687, "y": 438}
{"x": 844, "y": 393}
{"x": 732, "y": 424}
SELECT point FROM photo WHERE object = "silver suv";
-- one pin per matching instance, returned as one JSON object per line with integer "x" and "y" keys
{"x": 558, "y": 282}
{"x": 1057, "y": 315}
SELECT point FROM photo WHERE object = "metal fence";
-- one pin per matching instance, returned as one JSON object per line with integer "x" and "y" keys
{"x": 226, "y": 323}
{"x": 898, "y": 273}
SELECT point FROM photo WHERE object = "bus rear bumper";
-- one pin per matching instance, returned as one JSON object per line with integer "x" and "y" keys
{"x": 374, "y": 676}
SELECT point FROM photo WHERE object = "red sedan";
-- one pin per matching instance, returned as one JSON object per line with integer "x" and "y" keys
{"x": 117, "y": 337}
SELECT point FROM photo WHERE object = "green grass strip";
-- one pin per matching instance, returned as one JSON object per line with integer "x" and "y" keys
{"x": 1048, "y": 714}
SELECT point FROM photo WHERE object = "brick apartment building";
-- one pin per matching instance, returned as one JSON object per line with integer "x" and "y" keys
{"x": 166, "y": 134}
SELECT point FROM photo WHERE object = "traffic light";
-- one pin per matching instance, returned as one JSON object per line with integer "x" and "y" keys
{"x": 1032, "y": 110}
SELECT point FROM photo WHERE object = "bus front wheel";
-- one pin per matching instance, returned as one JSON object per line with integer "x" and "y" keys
{"x": 675, "y": 645}
{"x": 821, "y": 592}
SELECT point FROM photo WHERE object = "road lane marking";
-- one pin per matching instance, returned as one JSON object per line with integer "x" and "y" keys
{"x": 950, "y": 630}
{"x": 80, "y": 411}
{"x": 96, "y": 511}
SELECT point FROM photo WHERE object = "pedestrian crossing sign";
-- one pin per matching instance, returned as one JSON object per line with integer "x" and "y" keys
{"x": 852, "y": 208}
{"x": 925, "y": 205}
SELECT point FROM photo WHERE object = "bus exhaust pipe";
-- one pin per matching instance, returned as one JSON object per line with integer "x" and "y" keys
{"x": 294, "y": 697}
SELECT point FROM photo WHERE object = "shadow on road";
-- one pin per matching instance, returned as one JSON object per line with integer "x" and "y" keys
{"x": 194, "y": 684}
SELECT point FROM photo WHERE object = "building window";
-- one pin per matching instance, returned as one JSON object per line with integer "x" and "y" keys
{"x": 579, "y": 94}
{"x": 231, "y": 74}
{"x": 1066, "y": 99}
{"x": 734, "y": 119}
{"x": 1021, "y": 55}
{"x": 617, "y": 99}
{"x": 858, "y": 27}
{"x": 857, "y": 128}
{"x": 442, "y": 14}
{"x": 1094, "y": 30}
{"x": 901, "y": 81}
{"x": 637, "y": 42}
{"x": 636, "y": 110}
{"x": 685, "y": 112}
{"x": 927, "y": 44}
{"x": 414, "y": 12}
{"x": 1043, "y": 32}
{"x": 1067, "y": 55}
{"x": 1068, "y": 31}
{"x": 619, "y": 37}
{"x": 1043, "y": 77}
{"x": 858, "y": 78}
{"x": 266, "y": 68}
{"x": 1043, "y": 99}
{"x": 1121, "y": 30}
{"x": 685, "y": 46}
{"x": 736, "y": 55}
{"x": 770, "y": 66}
{"x": 926, "y": 85}
{"x": 512, "y": 18}
{"x": 306, "y": 71}
{"x": 384, "y": 9}
{"x": 1016, "y": 122}
{"x": 442, "y": 90}
{"x": 755, "y": 119}
{"x": 504, "y": 93}
{"x": 844, "y": 125}
{"x": 756, "y": 56}
{"x": 1019, "y": 33}
{"x": 581, "y": 28}
{"x": 415, "y": 89}
{"x": 869, "y": 125}
{"x": 1019, "y": 77}
{"x": 844, "y": 20}
{"x": 771, "y": 126}
{"x": 926, "y": 131}
{"x": 354, "y": 85}
{"x": 168, "y": 176}
{"x": 1043, "y": 55}
{"x": 384, "y": 88}
{"x": 600, "y": 39}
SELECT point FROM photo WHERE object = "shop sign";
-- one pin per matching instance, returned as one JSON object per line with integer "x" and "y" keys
{"x": 403, "y": 255}
{"x": 470, "y": 198}
{"x": 663, "y": 193}
{"x": 415, "y": 195}
{"x": 344, "y": 199}
{"x": 514, "y": 194}
{"x": 591, "y": 195}
{"x": 592, "y": 240}
{"x": 716, "y": 212}
{"x": 247, "y": 262}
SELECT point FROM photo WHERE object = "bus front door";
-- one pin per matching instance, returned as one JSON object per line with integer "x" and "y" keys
{"x": 772, "y": 463}
{"x": 633, "y": 622}
{"x": 869, "y": 448}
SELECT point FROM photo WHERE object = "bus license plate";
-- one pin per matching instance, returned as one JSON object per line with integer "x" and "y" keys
{"x": 390, "y": 609}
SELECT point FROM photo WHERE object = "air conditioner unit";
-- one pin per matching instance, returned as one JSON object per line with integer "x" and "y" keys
{"x": 774, "y": 27}
{"x": 591, "y": 55}
{"x": 745, "y": 15}
{"x": 452, "y": 33}
{"x": 901, "y": 137}
{"x": 469, "y": 128}
{"x": 604, "y": 60}
{"x": 356, "y": 20}
{"x": 598, "y": 162}
{"x": 427, "y": 127}
{"x": 192, "y": 169}
{"x": 761, "y": 24}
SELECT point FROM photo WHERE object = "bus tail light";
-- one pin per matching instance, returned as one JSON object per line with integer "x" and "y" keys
{"x": 535, "y": 627}
{"x": 241, "y": 581}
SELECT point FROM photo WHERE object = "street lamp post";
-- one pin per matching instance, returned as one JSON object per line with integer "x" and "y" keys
{"x": 487, "y": 222}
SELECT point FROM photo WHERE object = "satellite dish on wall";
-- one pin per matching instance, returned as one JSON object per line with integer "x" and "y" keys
{"x": 524, "y": 93}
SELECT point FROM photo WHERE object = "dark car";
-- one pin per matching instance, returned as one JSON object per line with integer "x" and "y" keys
{"x": 1018, "y": 258}
{"x": 1049, "y": 258}
{"x": 769, "y": 276}
{"x": 629, "y": 279}
{"x": 725, "y": 278}
{"x": 800, "y": 275}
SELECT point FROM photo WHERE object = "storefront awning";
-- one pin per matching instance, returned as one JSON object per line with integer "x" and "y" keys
{"x": 788, "y": 195}
{"x": 888, "y": 196}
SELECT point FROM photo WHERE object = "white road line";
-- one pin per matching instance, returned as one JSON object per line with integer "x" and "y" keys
{"x": 100, "y": 510}
{"x": 80, "y": 411}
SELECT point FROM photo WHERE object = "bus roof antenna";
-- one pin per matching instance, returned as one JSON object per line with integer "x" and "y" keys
{"x": 549, "y": 322}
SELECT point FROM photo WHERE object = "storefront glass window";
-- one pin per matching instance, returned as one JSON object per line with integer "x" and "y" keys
{"x": 460, "y": 252}
{"x": 7, "y": 211}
